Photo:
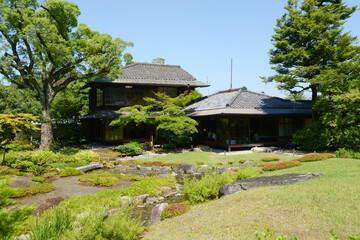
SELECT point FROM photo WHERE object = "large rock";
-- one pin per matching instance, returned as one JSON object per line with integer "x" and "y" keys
{"x": 152, "y": 200}
{"x": 185, "y": 168}
{"x": 256, "y": 182}
{"x": 263, "y": 149}
{"x": 92, "y": 166}
{"x": 155, "y": 215}
{"x": 248, "y": 164}
{"x": 140, "y": 198}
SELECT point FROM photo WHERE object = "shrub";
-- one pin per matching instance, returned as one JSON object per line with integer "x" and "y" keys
{"x": 244, "y": 173}
{"x": 270, "y": 159}
{"x": 242, "y": 161}
{"x": 230, "y": 162}
{"x": 280, "y": 165}
{"x": 355, "y": 153}
{"x": 33, "y": 190}
{"x": 20, "y": 144}
{"x": 121, "y": 225}
{"x": 206, "y": 188}
{"x": 38, "y": 170}
{"x": 52, "y": 226}
{"x": 131, "y": 148}
{"x": 70, "y": 172}
{"x": 38, "y": 179}
{"x": 44, "y": 156}
{"x": 103, "y": 179}
{"x": 84, "y": 156}
{"x": 169, "y": 146}
{"x": 11, "y": 218}
{"x": 199, "y": 163}
{"x": 315, "y": 157}
{"x": 23, "y": 166}
{"x": 174, "y": 210}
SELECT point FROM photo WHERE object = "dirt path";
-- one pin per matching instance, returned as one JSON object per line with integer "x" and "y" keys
{"x": 66, "y": 187}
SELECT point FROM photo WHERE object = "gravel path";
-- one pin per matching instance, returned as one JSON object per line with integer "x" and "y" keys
{"x": 66, "y": 187}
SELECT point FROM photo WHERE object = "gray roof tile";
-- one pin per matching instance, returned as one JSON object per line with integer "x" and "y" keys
{"x": 241, "y": 101}
{"x": 156, "y": 74}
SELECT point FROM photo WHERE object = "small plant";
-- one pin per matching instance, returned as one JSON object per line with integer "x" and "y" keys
{"x": 269, "y": 235}
{"x": 173, "y": 210}
{"x": 131, "y": 148}
{"x": 53, "y": 225}
{"x": 345, "y": 156}
{"x": 99, "y": 179}
{"x": 270, "y": 159}
{"x": 38, "y": 170}
{"x": 244, "y": 173}
{"x": 220, "y": 163}
{"x": 242, "y": 161}
{"x": 38, "y": 179}
{"x": 70, "y": 172}
{"x": 281, "y": 165}
{"x": 33, "y": 190}
{"x": 199, "y": 163}
{"x": 353, "y": 153}
{"x": 230, "y": 162}
{"x": 315, "y": 157}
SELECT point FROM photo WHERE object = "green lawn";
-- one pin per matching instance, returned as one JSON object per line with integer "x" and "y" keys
{"x": 306, "y": 210}
{"x": 213, "y": 159}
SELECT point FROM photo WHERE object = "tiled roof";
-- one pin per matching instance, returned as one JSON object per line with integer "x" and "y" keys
{"x": 104, "y": 114}
{"x": 156, "y": 74}
{"x": 242, "y": 101}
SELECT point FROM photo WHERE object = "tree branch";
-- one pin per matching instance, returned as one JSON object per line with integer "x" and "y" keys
{"x": 46, "y": 47}
{"x": 59, "y": 23}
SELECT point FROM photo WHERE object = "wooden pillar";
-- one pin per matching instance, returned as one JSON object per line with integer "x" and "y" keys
{"x": 229, "y": 135}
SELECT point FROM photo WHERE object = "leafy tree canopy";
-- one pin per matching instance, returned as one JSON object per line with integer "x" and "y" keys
{"x": 310, "y": 44}
{"x": 158, "y": 60}
{"x": 166, "y": 113}
{"x": 44, "y": 49}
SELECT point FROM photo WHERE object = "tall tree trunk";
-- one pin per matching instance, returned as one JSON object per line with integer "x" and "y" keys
{"x": 314, "y": 92}
{"x": 46, "y": 130}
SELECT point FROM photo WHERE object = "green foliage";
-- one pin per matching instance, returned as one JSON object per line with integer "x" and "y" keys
{"x": 315, "y": 157}
{"x": 158, "y": 60}
{"x": 270, "y": 159}
{"x": 52, "y": 226}
{"x": 16, "y": 100}
{"x": 131, "y": 148}
{"x": 173, "y": 210}
{"x": 280, "y": 165}
{"x": 207, "y": 188}
{"x": 169, "y": 146}
{"x": 270, "y": 235}
{"x": 172, "y": 125}
{"x": 70, "y": 172}
{"x": 11, "y": 218}
{"x": 23, "y": 166}
{"x": 312, "y": 137}
{"x": 93, "y": 225}
{"x": 98, "y": 179}
{"x": 20, "y": 144}
{"x": 352, "y": 153}
{"x": 38, "y": 170}
{"x": 47, "y": 34}
{"x": 128, "y": 59}
{"x": 38, "y": 179}
{"x": 83, "y": 156}
{"x": 23, "y": 192}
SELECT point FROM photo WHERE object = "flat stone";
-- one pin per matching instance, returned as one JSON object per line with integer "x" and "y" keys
{"x": 263, "y": 149}
{"x": 165, "y": 169}
{"x": 163, "y": 175}
{"x": 155, "y": 215}
{"x": 166, "y": 189}
{"x": 221, "y": 169}
{"x": 92, "y": 166}
{"x": 121, "y": 168}
{"x": 170, "y": 194}
{"x": 140, "y": 198}
{"x": 111, "y": 212}
{"x": 256, "y": 182}
{"x": 152, "y": 200}
{"x": 204, "y": 166}
{"x": 145, "y": 169}
{"x": 142, "y": 174}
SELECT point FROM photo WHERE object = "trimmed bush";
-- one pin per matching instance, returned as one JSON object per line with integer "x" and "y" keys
{"x": 281, "y": 165}
{"x": 315, "y": 157}
{"x": 131, "y": 148}
{"x": 84, "y": 156}
{"x": 169, "y": 146}
{"x": 230, "y": 162}
{"x": 174, "y": 210}
{"x": 70, "y": 172}
{"x": 38, "y": 170}
{"x": 242, "y": 161}
{"x": 97, "y": 179}
{"x": 38, "y": 179}
{"x": 270, "y": 159}
{"x": 33, "y": 190}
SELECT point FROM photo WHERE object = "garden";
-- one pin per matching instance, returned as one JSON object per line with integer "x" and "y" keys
{"x": 106, "y": 197}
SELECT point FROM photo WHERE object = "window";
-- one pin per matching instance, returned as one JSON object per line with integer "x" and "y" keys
{"x": 114, "y": 96}
{"x": 285, "y": 127}
{"x": 99, "y": 97}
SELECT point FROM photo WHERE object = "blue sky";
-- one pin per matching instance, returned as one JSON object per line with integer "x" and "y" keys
{"x": 200, "y": 36}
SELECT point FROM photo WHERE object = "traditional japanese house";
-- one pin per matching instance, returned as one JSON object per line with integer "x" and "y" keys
{"x": 137, "y": 81}
{"x": 240, "y": 118}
